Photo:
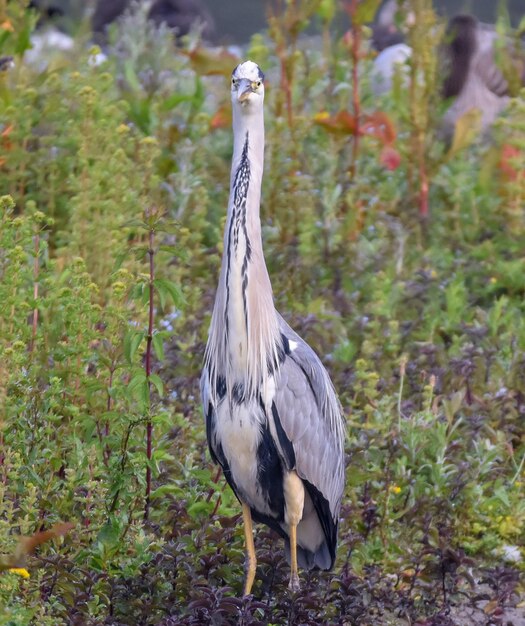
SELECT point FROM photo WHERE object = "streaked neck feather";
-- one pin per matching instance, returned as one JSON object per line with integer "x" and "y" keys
{"x": 244, "y": 338}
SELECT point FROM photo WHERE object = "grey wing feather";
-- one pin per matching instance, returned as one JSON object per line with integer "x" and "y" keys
{"x": 311, "y": 417}
{"x": 484, "y": 62}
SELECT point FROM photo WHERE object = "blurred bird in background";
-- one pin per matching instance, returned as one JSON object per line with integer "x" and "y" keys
{"x": 468, "y": 57}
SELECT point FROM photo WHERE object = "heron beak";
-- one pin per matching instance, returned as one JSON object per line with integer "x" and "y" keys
{"x": 244, "y": 90}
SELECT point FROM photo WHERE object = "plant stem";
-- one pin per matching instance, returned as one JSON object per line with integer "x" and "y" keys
{"x": 149, "y": 424}
{"x": 356, "y": 103}
{"x": 36, "y": 268}
{"x": 402, "y": 371}
{"x": 107, "y": 452}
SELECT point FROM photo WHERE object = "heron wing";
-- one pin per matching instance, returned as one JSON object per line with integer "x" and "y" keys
{"x": 484, "y": 62}
{"x": 310, "y": 415}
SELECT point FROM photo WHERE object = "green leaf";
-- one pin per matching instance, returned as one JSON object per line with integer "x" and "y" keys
{"x": 158, "y": 346}
{"x": 137, "y": 291}
{"x": 132, "y": 341}
{"x": 131, "y": 76}
{"x": 143, "y": 395}
{"x": 200, "y": 508}
{"x": 326, "y": 10}
{"x": 167, "y": 288}
{"x": 466, "y": 129}
{"x": 157, "y": 383}
{"x": 138, "y": 379}
{"x": 365, "y": 11}
{"x": 109, "y": 533}
{"x": 172, "y": 101}
{"x": 169, "y": 249}
{"x": 162, "y": 292}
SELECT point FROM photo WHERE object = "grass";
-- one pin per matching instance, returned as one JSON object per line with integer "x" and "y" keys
{"x": 404, "y": 270}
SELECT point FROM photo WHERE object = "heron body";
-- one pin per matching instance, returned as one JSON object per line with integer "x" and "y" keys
{"x": 467, "y": 55}
{"x": 273, "y": 419}
{"x": 473, "y": 78}
{"x": 388, "y": 61}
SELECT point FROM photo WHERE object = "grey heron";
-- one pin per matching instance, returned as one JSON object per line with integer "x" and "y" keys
{"x": 273, "y": 420}
{"x": 468, "y": 58}
{"x": 472, "y": 76}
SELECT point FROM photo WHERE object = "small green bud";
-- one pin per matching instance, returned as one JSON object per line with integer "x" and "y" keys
{"x": 7, "y": 203}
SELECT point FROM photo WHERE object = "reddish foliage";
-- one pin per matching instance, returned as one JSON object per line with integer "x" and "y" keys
{"x": 377, "y": 125}
{"x": 207, "y": 63}
{"x": 342, "y": 123}
{"x": 506, "y": 164}
{"x": 222, "y": 117}
{"x": 5, "y": 142}
{"x": 390, "y": 158}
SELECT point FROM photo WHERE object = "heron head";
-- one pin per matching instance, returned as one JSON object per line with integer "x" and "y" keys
{"x": 247, "y": 84}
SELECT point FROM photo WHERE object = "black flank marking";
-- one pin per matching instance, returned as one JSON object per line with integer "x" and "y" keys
{"x": 271, "y": 522}
{"x": 328, "y": 524}
{"x": 220, "y": 387}
{"x": 270, "y": 473}
{"x": 210, "y": 428}
{"x": 283, "y": 350}
{"x": 238, "y": 393}
{"x": 227, "y": 472}
{"x": 285, "y": 443}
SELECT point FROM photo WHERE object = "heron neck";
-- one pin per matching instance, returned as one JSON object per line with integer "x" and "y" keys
{"x": 252, "y": 328}
{"x": 248, "y": 143}
{"x": 245, "y": 183}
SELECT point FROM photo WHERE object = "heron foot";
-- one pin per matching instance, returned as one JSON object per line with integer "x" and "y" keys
{"x": 294, "y": 585}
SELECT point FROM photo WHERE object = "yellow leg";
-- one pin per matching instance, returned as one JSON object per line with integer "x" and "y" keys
{"x": 250, "y": 564}
{"x": 294, "y": 584}
{"x": 294, "y": 498}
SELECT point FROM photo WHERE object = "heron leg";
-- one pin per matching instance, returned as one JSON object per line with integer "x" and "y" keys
{"x": 250, "y": 564}
{"x": 294, "y": 584}
{"x": 294, "y": 497}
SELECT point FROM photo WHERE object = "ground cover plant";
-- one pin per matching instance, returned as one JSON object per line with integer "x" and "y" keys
{"x": 404, "y": 268}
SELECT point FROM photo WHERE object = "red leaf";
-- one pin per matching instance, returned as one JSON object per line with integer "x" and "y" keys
{"x": 30, "y": 543}
{"x": 380, "y": 126}
{"x": 207, "y": 63}
{"x": 390, "y": 158}
{"x": 509, "y": 156}
{"x": 342, "y": 123}
{"x": 222, "y": 117}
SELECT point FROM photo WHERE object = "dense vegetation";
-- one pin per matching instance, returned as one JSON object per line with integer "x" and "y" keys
{"x": 398, "y": 258}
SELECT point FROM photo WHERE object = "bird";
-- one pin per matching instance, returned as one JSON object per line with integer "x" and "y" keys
{"x": 385, "y": 32}
{"x": 393, "y": 53}
{"x": 471, "y": 74}
{"x": 178, "y": 15}
{"x": 466, "y": 56}
{"x": 390, "y": 60}
{"x": 273, "y": 419}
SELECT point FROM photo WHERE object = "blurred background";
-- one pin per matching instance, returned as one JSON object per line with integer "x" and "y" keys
{"x": 237, "y": 20}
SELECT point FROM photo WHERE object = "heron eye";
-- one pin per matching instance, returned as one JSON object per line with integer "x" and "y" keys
{"x": 234, "y": 82}
{"x": 258, "y": 84}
